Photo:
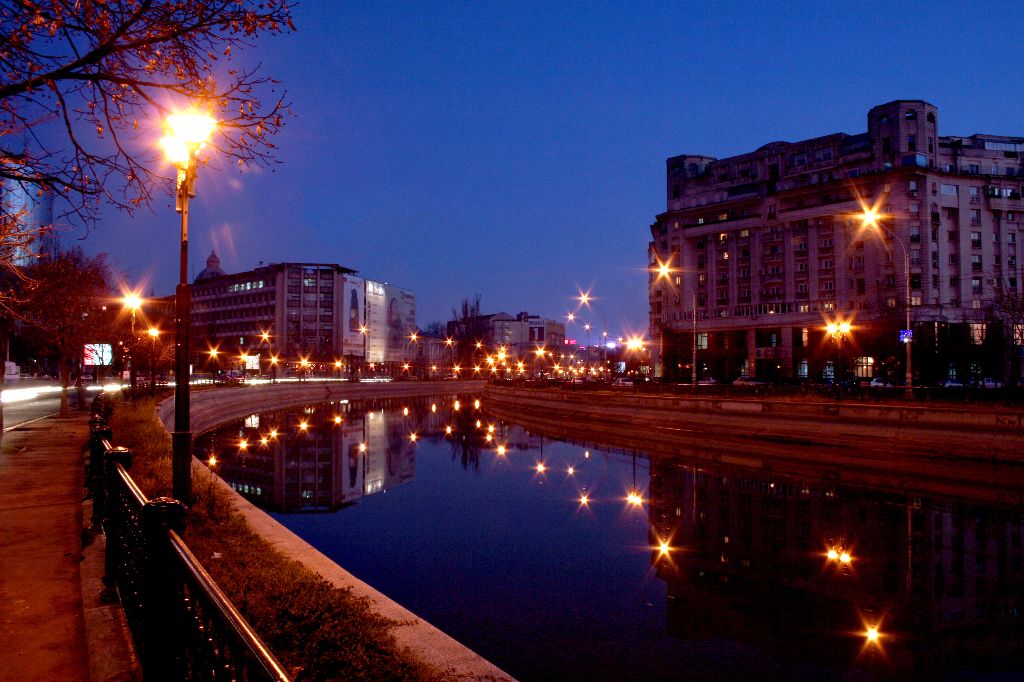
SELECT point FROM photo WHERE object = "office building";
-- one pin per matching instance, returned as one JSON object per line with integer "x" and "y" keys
{"x": 317, "y": 311}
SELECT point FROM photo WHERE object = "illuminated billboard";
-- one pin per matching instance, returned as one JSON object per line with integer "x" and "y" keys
{"x": 376, "y": 321}
{"x": 95, "y": 354}
{"x": 353, "y": 315}
{"x": 401, "y": 323}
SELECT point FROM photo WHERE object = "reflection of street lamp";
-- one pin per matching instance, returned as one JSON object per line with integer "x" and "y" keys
{"x": 870, "y": 218}
{"x": 188, "y": 132}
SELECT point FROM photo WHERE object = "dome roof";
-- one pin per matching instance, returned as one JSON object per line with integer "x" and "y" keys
{"x": 212, "y": 268}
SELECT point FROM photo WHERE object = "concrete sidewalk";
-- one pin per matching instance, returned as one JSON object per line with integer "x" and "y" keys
{"x": 43, "y": 618}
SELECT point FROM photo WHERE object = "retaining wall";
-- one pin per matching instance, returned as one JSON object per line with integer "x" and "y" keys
{"x": 212, "y": 407}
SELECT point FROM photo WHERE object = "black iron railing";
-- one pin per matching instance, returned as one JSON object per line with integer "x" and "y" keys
{"x": 182, "y": 625}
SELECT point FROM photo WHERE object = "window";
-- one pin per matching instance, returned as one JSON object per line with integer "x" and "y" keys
{"x": 911, "y": 143}
{"x": 949, "y": 190}
{"x": 976, "y": 262}
{"x": 702, "y": 341}
{"x": 976, "y": 285}
{"x": 975, "y": 216}
{"x": 912, "y": 187}
{"x": 910, "y": 115}
{"x": 954, "y": 281}
{"x": 976, "y": 240}
{"x": 829, "y": 285}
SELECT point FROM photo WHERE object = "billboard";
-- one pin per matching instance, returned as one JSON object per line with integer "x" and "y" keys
{"x": 353, "y": 315}
{"x": 376, "y": 320}
{"x": 401, "y": 323}
{"x": 94, "y": 354}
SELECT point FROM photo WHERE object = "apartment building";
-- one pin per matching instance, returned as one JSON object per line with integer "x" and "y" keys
{"x": 757, "y": 253}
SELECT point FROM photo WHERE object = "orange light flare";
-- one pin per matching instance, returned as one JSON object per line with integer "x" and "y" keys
{"x": 873, "y": 634}
{"x": 303, "y": 425}
{"x": 664, "y": 270}
{"x": 273, "y": 433}
{"x": 413, "y": 437}
{"x": 212, "y": 461}
{"x": 264, "y": 440}
{"x": 501, "y": 450}
{"x": 337, "y": 419}
{"x": 584, "y": 499}
{"x": 242, "y": 444}
{"x": 541, "y": 468}
{"x": 635, "y": 498}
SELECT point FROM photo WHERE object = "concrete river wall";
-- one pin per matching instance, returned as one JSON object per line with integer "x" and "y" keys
{"x": 970, "y": 453}
{"x": 212, "y": 407}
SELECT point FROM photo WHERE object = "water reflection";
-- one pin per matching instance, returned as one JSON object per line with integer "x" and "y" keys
{"x": 531, "y": 549}
{"x": 922, "y": 584}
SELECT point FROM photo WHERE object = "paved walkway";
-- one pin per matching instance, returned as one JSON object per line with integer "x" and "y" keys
{"x": 47, "y": 629}
{"x": 42, "y": 628}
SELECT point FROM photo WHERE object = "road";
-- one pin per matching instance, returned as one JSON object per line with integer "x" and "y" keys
{"x": 21, "y": 411}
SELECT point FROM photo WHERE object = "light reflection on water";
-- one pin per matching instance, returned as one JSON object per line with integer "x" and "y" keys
{"x": 560, "y": 560}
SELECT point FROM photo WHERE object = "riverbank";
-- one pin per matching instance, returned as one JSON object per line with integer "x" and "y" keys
{"x": 420, "y": 640}
{"x": 953, "y": 451}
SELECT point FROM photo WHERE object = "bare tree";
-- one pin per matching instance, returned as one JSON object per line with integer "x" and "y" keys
{"x": 81, "y": 81}
{"x": 65, "y": 300}
{"x": 467, "y": 327}
{"x": 1009, "y": 307}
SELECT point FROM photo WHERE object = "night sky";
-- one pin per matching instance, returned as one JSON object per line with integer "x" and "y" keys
{"x": 517, "y": 150}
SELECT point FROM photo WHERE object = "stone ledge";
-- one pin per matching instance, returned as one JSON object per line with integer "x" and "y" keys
{"x": 216, "y": 406}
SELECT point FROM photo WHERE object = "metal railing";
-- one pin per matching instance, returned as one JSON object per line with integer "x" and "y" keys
{"x": 182, "y": 624}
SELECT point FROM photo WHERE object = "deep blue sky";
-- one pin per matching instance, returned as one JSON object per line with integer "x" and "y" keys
{"x": 517, "y": 150}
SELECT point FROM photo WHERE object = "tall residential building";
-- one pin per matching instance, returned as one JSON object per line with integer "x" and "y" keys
{"x": 521, "y": 334}
{"x": 762, "y": 250}
{"x": 318, "y": 311}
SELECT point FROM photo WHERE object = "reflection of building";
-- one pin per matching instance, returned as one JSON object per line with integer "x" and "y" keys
{"x": 768, "y": 246}
{"x": 315, "y": 463}
{"x": 750, "y": 558}
{"x": 311, "y": 310}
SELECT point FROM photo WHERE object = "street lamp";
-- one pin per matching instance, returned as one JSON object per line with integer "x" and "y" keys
{"x": 871, "y": 219}
{"x": 837, "y": 331}
{"x": 365, "y": 331}
{"x": 133, "y": 302}
{"x": 664, "y": 271}
{"x": 154, "y": 334}
{"x": 188, "y": 131}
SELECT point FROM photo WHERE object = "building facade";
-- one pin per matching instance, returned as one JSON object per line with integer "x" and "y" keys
{"x": 757, "y": 253}
{"x": 317, "y": 311}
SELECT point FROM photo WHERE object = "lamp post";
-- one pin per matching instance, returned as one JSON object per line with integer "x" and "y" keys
{"x": 133, "y": 302}
{"x": 154, "y": 334}
{"x": 870, "y": 218}
{"x": 188, "y": 132}
{"x": 838, "y": 330}
{"x": 365, "y": 332}
{"x": 664, "y": 271}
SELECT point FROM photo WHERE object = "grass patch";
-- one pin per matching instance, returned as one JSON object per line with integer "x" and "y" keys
{"x": 318, "y": 631}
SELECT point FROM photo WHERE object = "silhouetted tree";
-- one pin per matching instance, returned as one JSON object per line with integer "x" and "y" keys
{"x": 467, "y": 328}
{"x": 84, "y": 84}
{"x": 65, "y": 300}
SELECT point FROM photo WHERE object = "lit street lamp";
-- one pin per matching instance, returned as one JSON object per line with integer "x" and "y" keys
{"x": 154, "y": 334}
{"x": 838, "y": 331}
{"x": 188, "y": 132}
{"x": 133, "y": 302}
{"x": 665, "y": 271}
{"x": 870, "y": 218}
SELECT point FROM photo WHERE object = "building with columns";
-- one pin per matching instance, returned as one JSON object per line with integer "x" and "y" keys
{"x": 756, "y": 254}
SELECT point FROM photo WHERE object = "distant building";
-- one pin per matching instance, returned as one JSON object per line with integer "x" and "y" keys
{"x": 32, "y": 206}
{"x": 520, "y": 334}
{"x": 765, "y": 248}
{"x": 318, "y": 311}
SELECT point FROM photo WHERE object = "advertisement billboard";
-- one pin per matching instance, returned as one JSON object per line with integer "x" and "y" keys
{"x": 401, "y": 323}
{"x": 95, "y": 354}
{"x": 353, "y": 315}
{"x": 376, "y": 320}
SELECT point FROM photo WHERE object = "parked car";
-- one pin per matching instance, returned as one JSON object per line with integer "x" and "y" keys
{"x": 878, "y": 382}
{"x": 747, "y": 380}
{"x": 988, "y": 382}
{"x": 952, "y": 383}
{"x": 707, "y": 381}
{"x": 622, "y": 381}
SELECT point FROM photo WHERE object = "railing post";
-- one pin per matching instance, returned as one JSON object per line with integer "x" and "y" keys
{"x": 99, "y": 431}
{"x": 163, "y": 652}
{"x": 108, "y": 500}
